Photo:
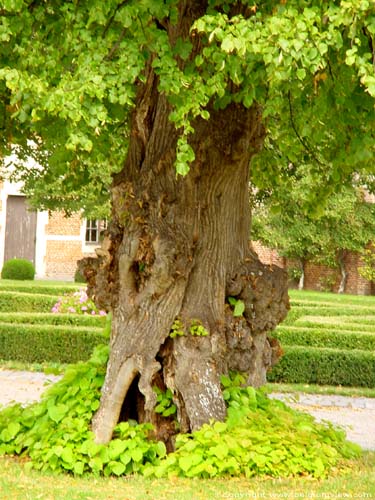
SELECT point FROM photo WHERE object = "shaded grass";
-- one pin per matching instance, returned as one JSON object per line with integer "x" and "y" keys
{"x": 16, "y": 483}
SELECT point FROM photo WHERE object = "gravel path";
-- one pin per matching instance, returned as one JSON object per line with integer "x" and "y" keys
{"x": 356, "y": 415}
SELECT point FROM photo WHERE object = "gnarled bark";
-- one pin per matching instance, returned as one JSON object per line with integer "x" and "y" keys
{"x": 176, "y": 248}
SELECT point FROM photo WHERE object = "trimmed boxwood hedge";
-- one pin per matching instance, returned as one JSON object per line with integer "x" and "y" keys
{"x": 316, "y": 337}
{"x": 344, "y": 326}
{"x": 26, "y": 302}
{"x": 34, "y": 287}
{"x": 39, "y": 343}
{"x": 341, "y": 311}
{"x": 312, "y": 365}
{"x": 18, "y": 269}
{"x": 53, "y": 319}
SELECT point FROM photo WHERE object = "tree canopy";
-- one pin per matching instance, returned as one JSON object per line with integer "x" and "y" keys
{"x": 176, "y": 98}
{"x": 69, "y": 73}
{"x": 346, "y": 224}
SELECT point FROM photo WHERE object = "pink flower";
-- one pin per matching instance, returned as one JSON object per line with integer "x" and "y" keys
{"x": 71, "y": 310}
{"x": 83, "y": 308}
{"x": 93, "y": 313}
{"x": 102, "y": 313}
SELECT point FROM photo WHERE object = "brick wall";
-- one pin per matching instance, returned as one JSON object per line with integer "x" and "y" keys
{"x": 64, "y": 245}
{"x": 267, "y": 255}
{"x": 58, "y": 224}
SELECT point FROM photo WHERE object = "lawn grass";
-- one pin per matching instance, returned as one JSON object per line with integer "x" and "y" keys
{"x": 16, "y": 483}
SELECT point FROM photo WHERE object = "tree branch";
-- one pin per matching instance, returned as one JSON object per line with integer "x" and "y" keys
{"x": 294, "y": 127}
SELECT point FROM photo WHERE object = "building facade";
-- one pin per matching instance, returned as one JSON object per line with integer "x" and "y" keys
{"x": 51, "y": 241}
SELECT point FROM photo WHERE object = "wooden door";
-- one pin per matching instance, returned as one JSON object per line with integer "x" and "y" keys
{"x": 20, "y": 230}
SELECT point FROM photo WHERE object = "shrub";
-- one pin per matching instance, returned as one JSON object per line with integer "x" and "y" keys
{"x": 78, "y": 277}
{"x": 45, "y": 318}
{"x": 18, "y": 269}
{"x": 39, "y": 343}
{"x": 38, "y": 287}
{"x": 323, "y": 337}
{"x": 77, "y": 303}
{"x": 324, "y": 366}
{"x": 25, "y": 302}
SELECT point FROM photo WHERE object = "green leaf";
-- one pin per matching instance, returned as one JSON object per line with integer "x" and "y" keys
{"x": 188, "y": 461}
{"x": 117, "y": 468}
{"x": 161, "y": 450}
{"x": 227, "y": 44}
{"x": 136, "y": 454}
{"x": 239, "y": 308}
{"x": 58, "y": 412}
{"x": 78, "y": 468}
{"x": 67, "y": 455}
{"x": 116, "y": 448}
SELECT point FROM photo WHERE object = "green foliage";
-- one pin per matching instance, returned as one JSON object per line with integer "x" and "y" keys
{"x": 39, "y": 287}
{"x": 52, "y": 319}
{"x": 238, "y": 306}
{"x": 346, "y": 223}
{"x": 72, "y": 88}
{"x": 327, "y": 339}
{"x": 330, "y": 336}
{"x": 26, "y": 302}
{"x": 196, "y": 328}
{"x": 260, "y": 436}
{"x": 18, "y": 269}
{"x": 327, "y": 283}
{"x": 367, "y": 269}
{"x": 294, "y": 273}
{"x": 177, "y": 329}
{"x": 165, "y": 405}
{"x": 78, "y": 277}
{"x": 55, "y": 433}
{"x": 43, "y": 342}
{"x": 325, "y": 366}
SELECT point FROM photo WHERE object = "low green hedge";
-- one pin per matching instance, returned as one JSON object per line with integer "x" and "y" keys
{"x": 347, "y": 326}
{"x": 40, "y": 343}
{"x": 38, "y": 288}
{"x": 53, "y": 319}
{"x": 317, "y": 337}
{"x": 368, "y": 320}
{"x": 335, "y": 298}
{"x": 341, "y": 312}
{"x": 25, "y": 302}
{"x": 312, "y": 365}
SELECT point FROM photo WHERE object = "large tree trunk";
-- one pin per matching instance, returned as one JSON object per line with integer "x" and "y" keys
{"x": 176, "y": 249}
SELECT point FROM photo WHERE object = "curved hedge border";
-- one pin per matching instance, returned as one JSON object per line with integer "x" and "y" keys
{"x": 53, "y": 319}
{"x": 46, "y": 343}
{"x": 26, "y": 302}
{"x": 316, "y": 337}
{"x": 324, "y": 366}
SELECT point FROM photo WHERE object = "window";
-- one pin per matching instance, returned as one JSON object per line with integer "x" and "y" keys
{"x": 94, "y": 230}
